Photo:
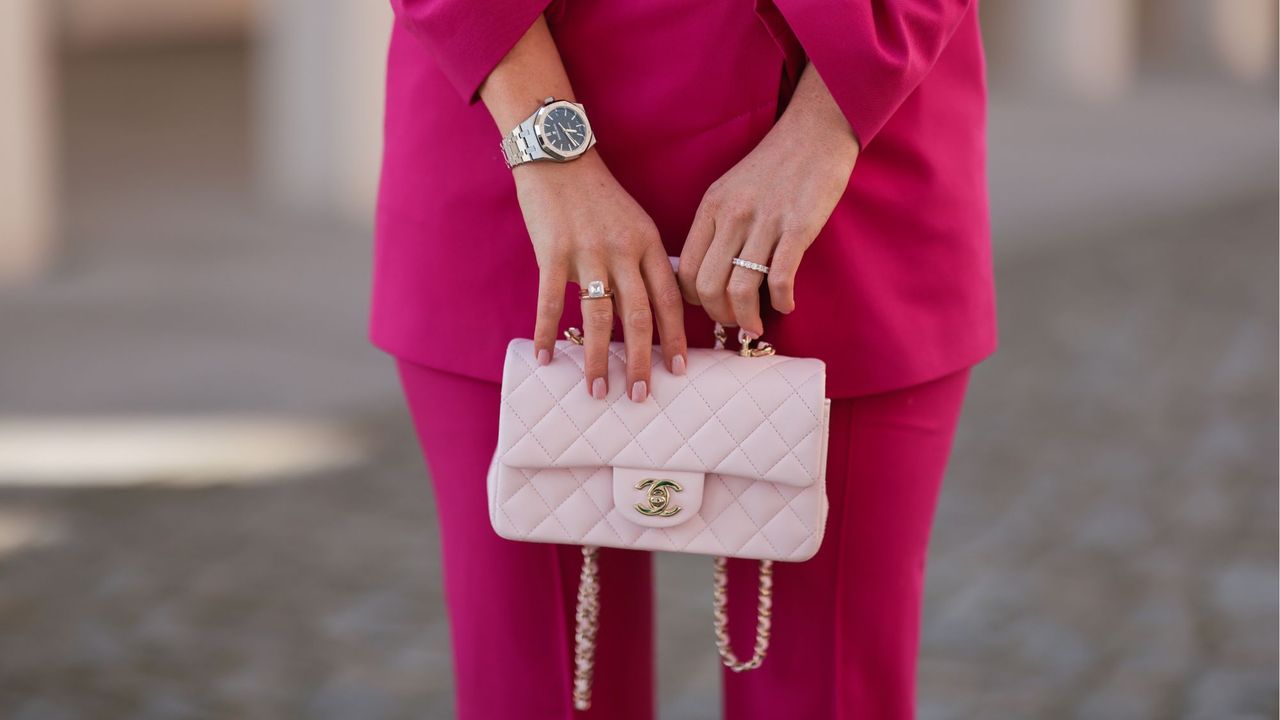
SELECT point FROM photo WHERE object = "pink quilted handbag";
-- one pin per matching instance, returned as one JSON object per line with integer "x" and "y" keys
{"x": 727, "y": 460}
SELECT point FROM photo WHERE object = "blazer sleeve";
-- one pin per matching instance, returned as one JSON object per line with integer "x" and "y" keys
{"x": 468, "y": 38}
{"x": 872, "y": 53}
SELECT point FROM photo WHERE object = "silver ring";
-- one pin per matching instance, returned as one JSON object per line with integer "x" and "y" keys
{"x": 763, "y": 269}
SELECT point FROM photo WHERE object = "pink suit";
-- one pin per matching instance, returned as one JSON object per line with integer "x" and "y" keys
{"x": 895, "y": 295}
{"x": 896, "y": 290}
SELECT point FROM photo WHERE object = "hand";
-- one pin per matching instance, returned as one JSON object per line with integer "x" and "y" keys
{"x": 768, "y": 209}
{"x": 585, "y": 227}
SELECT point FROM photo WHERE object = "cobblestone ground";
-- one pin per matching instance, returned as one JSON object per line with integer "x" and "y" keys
{"x": 1105, "y": 547}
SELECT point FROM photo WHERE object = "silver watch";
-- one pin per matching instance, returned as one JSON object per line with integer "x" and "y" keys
{"x": 557, "y": 131}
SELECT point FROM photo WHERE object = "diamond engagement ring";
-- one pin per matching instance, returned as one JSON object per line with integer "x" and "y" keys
{"x": 763, "y": 269}
{"x": 595, "y": 290}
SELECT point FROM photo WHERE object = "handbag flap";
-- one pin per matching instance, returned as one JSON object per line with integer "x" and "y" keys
{"x": 751, "y": 417}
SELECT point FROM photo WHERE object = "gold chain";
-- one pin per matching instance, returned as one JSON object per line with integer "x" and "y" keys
{"x": 587, "y": 623}
{"x": 587, "y": 615}
{"x": 764, "y": 615}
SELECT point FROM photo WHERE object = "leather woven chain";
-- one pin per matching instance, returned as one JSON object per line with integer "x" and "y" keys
{"x": 587, "y": 614}
{"x": 764, "y": 616}
{"x": 586, "y": 625}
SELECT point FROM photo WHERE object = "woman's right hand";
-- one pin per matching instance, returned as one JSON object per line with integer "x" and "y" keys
{"x": 584, "y": 227}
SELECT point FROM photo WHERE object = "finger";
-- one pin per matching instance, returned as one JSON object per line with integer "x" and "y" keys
{"x": 695, "y": 249}
{"x": 782, "y": 269}
{"x": 713, "y": 276}
{"x": 744, "y": 283}
{"x": 665, "y": 298}
{"x": 637, "y": 330}
{"x": 597, "y": 326}
{"x": 551, "y": 283}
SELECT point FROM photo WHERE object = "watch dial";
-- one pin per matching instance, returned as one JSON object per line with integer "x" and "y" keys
{"x": 564, "y": 129}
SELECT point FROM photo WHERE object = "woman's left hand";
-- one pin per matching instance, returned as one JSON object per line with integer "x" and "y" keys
{"x": 768, "y": 209}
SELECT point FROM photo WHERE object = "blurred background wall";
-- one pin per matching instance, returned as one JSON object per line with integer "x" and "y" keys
{"x": 211, "y": 504}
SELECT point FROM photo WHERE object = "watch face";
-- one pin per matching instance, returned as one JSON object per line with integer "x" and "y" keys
{"x": 564, "y": 130}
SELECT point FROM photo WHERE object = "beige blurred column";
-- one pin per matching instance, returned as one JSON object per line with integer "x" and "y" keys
{"x": 1076, "y": 48}
{"x": 1212, "y": 39}
{"x": 27, "y": 139}
{"x": 318, "y": 76}
{"x": 1243, "y": 36}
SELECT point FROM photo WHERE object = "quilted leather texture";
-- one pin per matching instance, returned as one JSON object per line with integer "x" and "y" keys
{"x": 757, "y": 428}
{"x": 748, "y": 417}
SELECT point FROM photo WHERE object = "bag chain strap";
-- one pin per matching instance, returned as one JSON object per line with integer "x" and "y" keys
{"x": 764, "y": 616}
{"x": 587, "y": 614}
{"x": 586, "y": 625}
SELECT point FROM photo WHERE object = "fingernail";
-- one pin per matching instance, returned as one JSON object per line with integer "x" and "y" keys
{"x": 598, "y": 389}
{"x": 638, "y": 391}
{"x": 677, "y": 365}
{"x": 544, "y": 357}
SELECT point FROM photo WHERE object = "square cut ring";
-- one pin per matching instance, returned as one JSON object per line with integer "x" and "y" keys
{"x": 595, "y": 290}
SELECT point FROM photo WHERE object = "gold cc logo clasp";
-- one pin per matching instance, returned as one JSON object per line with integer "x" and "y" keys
{"x": 658, "y": 502}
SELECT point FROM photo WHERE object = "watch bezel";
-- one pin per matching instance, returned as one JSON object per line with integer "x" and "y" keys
{"x": 551, "y": 151}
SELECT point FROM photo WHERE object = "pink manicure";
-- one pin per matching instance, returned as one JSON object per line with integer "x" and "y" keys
{"x": 544, "y": 357}
{"x": 638, "y": 391}
{"x": 677, "y": 365}
{"x": 598, "y": 389}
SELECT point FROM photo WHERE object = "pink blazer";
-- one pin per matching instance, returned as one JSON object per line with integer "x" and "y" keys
{"x": 896, "y": 290}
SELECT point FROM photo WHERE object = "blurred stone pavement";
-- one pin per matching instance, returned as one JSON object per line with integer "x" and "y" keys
{"x": 1105, "y": 546}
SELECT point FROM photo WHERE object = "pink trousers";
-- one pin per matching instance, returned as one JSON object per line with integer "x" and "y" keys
{"x": 846, "y": 623}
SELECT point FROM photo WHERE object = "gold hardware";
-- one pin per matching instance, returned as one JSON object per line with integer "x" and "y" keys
{"x": 658, "y": 502}
{"x": 586, "y": 625}
{"x": 764, "y": 615}
{"x": 755, "y": 348}
{"x": 748, "y": 346}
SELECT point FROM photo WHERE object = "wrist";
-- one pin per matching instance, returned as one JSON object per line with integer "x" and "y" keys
{"x": 581, "y": 168}
{"x": 818, "y": 141}
{"x": 828, "y": 126}
{"x": 813, "y": 114}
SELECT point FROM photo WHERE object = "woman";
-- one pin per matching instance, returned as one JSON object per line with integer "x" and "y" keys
{"x": 726, "y": 130}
